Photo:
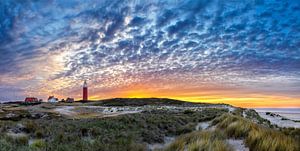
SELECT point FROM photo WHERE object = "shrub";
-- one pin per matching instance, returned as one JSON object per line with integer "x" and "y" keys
{"x": 23, "y": 140}
{"x": 188, "y": 112}
{"x": 4, "y": 145}
{"x": 137, "y": 147}
{"x": 38, "y": 144}
{"x": 84, "y": 132}
{"x": 238, "y": 111}
{"x": 39, "y": 134}
{"x": 152, "y": 137}
{"x": 30, "y": 126}
{"x": 18, "y": 140}
{"x": 186, "y": 129}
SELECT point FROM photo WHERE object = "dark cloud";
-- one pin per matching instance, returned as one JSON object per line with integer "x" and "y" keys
{"x": 137, "y": 21}
{"x": 165, "y": 17}
{"x": 181, "y": 27}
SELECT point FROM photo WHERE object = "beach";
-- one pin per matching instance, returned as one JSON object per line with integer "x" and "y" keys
{"x": 288, "y": 117}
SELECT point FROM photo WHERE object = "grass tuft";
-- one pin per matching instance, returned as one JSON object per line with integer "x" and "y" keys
{"x": 200, "y": 140}
{"x": 270, "y": 140}
{"x": 257, "y": 137}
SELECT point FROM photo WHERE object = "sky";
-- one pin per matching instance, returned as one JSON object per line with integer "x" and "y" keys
{"x": 241, "y": 52}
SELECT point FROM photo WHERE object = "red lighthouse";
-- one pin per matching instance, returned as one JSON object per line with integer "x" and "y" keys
{"x": 85, "y": 92}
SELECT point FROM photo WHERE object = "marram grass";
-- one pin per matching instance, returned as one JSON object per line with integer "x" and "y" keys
{"x": 200, "y": 141}
{"x": 257, "y": 138}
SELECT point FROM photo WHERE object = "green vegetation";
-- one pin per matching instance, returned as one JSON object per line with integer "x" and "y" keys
{"x": 38, "y": 144}
{"x": 254, "y": 116}
{"x": 293, "y": 132}
{"x": 126, "y": 132}
{"x": 144, "y": 101}
{"x": 238, "y": 111}
{"x": 39, "y": 128}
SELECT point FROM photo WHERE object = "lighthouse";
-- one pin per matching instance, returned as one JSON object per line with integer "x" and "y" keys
{"x": 85, "y": 91}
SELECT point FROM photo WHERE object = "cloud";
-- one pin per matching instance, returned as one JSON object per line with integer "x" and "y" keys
{"x": 116, "y": 44}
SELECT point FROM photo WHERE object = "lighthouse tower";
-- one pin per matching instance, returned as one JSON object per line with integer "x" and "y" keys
{"x": 85, "y": 91}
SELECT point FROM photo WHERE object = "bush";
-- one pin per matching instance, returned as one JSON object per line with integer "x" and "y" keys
{"x": 5, "y": 145}
{"x": 38, "y": 144}
{"x": 30, "y": 126}
{"x": 152, "y": 137}
{"x": 238, "y": 112}
{"x": 17, "y": 140}
{"x": 39, "y": 134}
{"x": 23, "y": 140}
{"x": 188, "y": 112}
{"x": 186, "y": 128}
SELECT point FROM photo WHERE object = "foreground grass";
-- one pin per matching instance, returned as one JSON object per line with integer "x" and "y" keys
{"x": 200, "y": 141}
{"x": 257, "y": 138}
{"x": 130, "y": 132}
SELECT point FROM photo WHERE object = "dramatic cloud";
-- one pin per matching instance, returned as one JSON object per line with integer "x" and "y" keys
{"x": 191, "y": 49}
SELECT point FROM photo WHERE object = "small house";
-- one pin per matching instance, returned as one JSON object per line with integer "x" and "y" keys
{"x": 31, "y": 100}
{"x": 52, "y": 99}
{"x": 70, "y": 100}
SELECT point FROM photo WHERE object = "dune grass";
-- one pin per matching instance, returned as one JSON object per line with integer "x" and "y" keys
{"x": 200, "y": 141}
{"x": 294, "y": 132}
{"x": 270, "y": 140}
{"x": 126, "y": 132}
{"x": 256, "y": 137}
{"x": 254, "y": 116}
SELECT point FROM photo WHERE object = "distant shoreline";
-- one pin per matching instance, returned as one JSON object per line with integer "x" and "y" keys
{"x": 283, "y": 117}
{"x": 280, "y": 110}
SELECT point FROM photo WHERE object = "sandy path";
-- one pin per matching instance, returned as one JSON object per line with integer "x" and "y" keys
{"x": 237, "y": 144}
{"x": 202, "y": 125}
{"x": 167, "y": 142}
{"x": 66, "y": 110}
{"x": 95, "y": 111}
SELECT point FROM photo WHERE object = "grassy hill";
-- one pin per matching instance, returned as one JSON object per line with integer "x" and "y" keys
{"x": 144, "y": 101}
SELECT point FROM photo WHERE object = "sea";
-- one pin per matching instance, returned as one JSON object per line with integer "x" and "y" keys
{"x": 290, "y": 113}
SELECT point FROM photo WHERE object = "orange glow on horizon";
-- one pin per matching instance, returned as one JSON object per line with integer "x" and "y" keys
{"x": 235, "y": 99}
{"x": 212, "y": 94}
{"x": 238, "y": 102}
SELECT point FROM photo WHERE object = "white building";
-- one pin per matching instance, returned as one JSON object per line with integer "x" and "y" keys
{"x": 52, "y": 99}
